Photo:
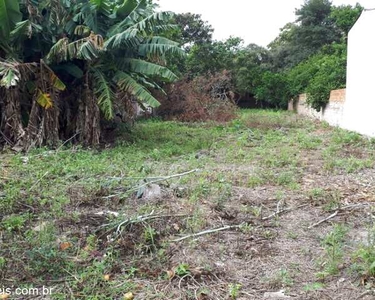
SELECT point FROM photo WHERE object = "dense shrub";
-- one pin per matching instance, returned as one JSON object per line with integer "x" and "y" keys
{"x": 200, "y": 99}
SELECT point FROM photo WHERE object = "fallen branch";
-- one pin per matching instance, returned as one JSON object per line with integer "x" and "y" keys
{"x": 120, "y": 226}
{"x": 347, "y": 207}
{"x": 37, "y": 182}
{"x": 228, "y": 227}
{"x": 366, "y": 293}
{"x": 67, "y": 141}
{"x": 278, "y": 211}
{"x": 324, "y": 220}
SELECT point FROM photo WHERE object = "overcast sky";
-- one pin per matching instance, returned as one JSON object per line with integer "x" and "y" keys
{"x": 256, "y": 21}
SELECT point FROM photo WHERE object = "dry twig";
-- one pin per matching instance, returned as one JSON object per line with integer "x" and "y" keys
{"x": 228, "y": 227}
{"x": 347, "y": 207}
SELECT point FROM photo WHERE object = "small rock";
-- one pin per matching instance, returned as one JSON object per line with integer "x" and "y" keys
{"x": 40, "y": 227}
{"x": 152, "y": 192}
{"x": 275, "y": 295}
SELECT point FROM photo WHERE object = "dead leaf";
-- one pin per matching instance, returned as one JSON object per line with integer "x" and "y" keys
{"x": 129, "y": 296}
{"x": 65, "y": 245}
{"x": 44, "y": 100}
{"x": 4, "y": 296}
{"x": 170, "y": 274}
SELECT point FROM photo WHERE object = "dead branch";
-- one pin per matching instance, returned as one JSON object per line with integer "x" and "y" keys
{"x": 324, "y": 220}
{"x": 347, "y": 207}
{"x": 228, "y": 227}
{"x": 119, "y": 227}
{"x": 37, "y": 182}
{"x": 282, "y": 211}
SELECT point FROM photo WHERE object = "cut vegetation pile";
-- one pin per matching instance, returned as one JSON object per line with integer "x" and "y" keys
{"x": 269, "y": 205}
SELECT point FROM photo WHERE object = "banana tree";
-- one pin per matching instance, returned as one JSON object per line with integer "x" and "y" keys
{"x": 107, "y": 52}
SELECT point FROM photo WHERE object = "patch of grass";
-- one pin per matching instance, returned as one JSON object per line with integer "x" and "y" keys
{"x": 315, "y": 286}
{"x": 348, "y": 165}
{"x": 281, "y": 279}
{"x": 333, "y": 251}
{"x": 343, "y": 137}
{"x": 50, "y": 200}
{"x": 364, "y": 257}
{"x": 234, "y": 290}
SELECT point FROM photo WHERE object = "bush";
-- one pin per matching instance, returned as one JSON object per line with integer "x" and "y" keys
{"x": 200, "y": 99}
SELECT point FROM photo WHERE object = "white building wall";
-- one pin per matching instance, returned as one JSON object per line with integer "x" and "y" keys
{"x": 359, "y": 109}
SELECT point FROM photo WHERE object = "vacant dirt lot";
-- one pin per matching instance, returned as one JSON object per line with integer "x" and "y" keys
{"x": 269, "y": 206}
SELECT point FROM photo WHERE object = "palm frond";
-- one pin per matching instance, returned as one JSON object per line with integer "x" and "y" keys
{"x": 103, "y": 6}
{"x": 126, "y": 8}
{"x": 87, "y": 48}
{"x": 159, "y": 46}
{"x": 148, "y": 69}
{"x": 126, "y": 82}
{"x": 9, "y": 77}
{"x": 129, "y": 20}
{"x": 103, "y": 92}
{"x": 128, "y": 38}
{"x": 82, "y": 30}
{"x": 59, "y": 51}
{"x": 153, "y": 21}
{"x": 11, "y": 72}
{"x": 24, "y": 29}
{"x": 44, "y": 99}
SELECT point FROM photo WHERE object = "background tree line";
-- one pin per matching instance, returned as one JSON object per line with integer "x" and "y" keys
{"x": 309, "y": 55}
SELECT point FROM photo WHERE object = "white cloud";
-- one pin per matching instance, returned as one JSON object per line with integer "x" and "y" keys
{"x": 256, "y": 21}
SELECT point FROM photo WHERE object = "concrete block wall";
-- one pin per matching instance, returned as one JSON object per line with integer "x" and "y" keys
{"x": 353, "y": 108}
{"x": 332, "y": 113}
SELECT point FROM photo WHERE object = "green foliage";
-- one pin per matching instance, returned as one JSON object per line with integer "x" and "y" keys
{"x": 182, "y": 270}
{"x": 234, "y": 290}
{"x": 273, "y": 89}
{"x": 345, "y": 16}
{"x": 320, "y": 74}
{"x": 69, "y": 36}
{"x": 364, "y": 257}
{"x": 210, "y": 58}
{"x": 10, "y": 15}
{"x": 192, "y": 30}
{"x": 308, "y": 56}
{"x": 249, "y": 65}
{"x": 333, "y": 246}
{"x": 14, "y": 222}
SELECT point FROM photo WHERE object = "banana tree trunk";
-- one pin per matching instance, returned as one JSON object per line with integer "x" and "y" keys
{"x": 88, "y": 121}
{"x": 43, "y": 126}
{"x": 11, "y": 128}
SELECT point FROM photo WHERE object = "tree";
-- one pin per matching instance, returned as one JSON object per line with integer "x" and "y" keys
{"x": 210, "y": 58}
{"x": 250, "y": 64}
{"x": 313, "y": 29}
{"x": 320, "y": 74}
{"x": 344, "y": 17}
{"x": 273, "y": 89}
{"x": 106, "y": 52}
{"x": 192, "y": 30}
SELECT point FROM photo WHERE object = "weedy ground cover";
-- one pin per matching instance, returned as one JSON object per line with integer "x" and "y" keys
{"x": 103, "y": 224}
